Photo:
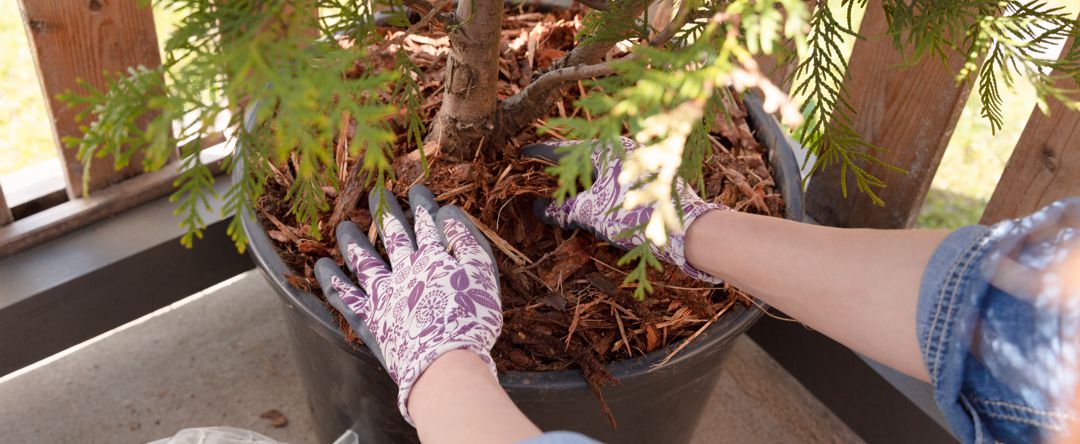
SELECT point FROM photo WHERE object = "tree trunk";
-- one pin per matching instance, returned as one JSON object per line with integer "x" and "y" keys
{"x": 472, "y": 73}
{"x": 536, "y": 100}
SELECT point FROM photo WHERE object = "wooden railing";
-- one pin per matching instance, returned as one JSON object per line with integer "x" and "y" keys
{"x": 73, "y": 41}
{"x": 912, "y": 111}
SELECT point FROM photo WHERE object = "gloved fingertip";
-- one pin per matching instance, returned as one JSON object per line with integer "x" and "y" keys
{"x": 421, "y": 196}
{"x": 345, "y": 233}
{"x": 540, "y": 210}
{"x": 379, "y": 196}
{"x": 541, "y": 151}
{"x": 325, "y": 272}
{"x": 348, "y": 234}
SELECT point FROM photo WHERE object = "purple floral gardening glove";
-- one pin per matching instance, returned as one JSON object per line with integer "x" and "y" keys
{"x": 438, "y": 294}
{"x": 600, "y": 209}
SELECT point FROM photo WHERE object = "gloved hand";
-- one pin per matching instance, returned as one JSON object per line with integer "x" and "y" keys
{"x": 599, "y": 209}
{"x": 438, "y": 294}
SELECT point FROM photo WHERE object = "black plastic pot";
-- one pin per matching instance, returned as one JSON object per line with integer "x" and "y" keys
{"x": 348, "y": 389}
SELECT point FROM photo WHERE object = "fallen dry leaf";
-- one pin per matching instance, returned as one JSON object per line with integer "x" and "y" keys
{"x": 277, "y": 419}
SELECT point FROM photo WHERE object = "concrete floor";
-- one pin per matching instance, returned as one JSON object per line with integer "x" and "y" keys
{"x": 218, "y": 358}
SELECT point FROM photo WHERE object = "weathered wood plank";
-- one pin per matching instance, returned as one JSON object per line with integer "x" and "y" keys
{"x": 48, "y": 224}
{"x": 85, "y": 40}
{"x": 1044, "y": 166}
{"x": 779, "y": 72}
{"x": 5, "y": 212}
{"x": 779, "y": 67}
{"x": 909, "y": 111}
{"x": 660, "y": 13}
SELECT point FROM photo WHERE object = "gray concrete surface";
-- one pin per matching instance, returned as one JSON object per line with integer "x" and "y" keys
{"x": 757, "y": 401}
{"x": 220, "y": 359}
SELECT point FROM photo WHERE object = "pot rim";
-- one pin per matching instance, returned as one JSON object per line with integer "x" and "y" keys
{"x": 725, "y": 329}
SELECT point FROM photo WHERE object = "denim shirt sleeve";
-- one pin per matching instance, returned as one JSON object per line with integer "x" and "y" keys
{"x": 1001, "y": 348}
{"x": 560, "y": 438}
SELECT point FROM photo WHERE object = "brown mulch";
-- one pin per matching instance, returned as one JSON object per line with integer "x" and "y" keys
{"x": 563, "y": 299}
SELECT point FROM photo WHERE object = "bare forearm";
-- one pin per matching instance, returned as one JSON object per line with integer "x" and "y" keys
{"x": 857, "y": 286}
{"x": 457, "y": 400}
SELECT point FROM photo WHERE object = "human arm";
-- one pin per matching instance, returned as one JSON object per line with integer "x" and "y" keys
{"x": 441, "y": 414}
{"x": 987, "y": 315}
{"x": 859, "y": 287}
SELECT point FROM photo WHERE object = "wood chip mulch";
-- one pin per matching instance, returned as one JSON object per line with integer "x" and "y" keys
{"x": 563, "y": 299}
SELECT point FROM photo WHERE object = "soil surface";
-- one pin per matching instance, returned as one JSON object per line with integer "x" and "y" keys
{"x": 563, "y": 299}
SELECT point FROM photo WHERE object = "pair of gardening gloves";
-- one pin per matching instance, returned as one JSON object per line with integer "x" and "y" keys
{"x": 439, "y": 291}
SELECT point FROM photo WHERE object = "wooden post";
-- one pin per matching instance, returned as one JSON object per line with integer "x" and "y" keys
{"x": 909, "y": 111}
{"x": 5, "y": 212}
{"x": 779, "y": 67}
{"x": 660, "y": 13}
{"x": 1044, "y": 166}
{"x": 85, "y": 40}
{"x": 780, "y": 74}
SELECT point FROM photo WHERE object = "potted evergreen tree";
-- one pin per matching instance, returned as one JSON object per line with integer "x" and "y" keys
{"x": 330, "y": 97}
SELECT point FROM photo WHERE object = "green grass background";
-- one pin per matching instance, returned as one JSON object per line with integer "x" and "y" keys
{"x": 964, "y": 182}
{"x": 25, "y": 138}
{"x": 25, "y": 135}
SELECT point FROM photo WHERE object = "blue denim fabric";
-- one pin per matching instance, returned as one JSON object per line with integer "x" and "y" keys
{"x": 1002, "y": 365}
{"x": 560, "y": 438}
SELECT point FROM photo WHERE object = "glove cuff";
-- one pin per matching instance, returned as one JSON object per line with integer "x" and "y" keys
{"x": 406, "y": 383}
{"x": 677, "y": 242}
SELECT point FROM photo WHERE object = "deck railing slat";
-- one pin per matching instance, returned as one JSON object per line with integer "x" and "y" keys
{"x": 1044, "y": 166}
{"x": 53, "y": 222}
{"x": 909, "y": 111}
{"x": 85, "y": 40}
{"x": 5, "y": 212}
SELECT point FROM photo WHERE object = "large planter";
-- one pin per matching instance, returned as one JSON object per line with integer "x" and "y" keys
{"x": 348, "y": 389}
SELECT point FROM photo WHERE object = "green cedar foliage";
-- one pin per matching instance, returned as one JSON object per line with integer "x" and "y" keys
{"x": 228, "y": 55}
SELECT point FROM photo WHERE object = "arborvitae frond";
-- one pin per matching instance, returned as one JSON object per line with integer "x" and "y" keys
{"x": 194, "y": 187}
{"x": 113, "y": 119}
{"x": 639, "y": 277}
{"x": 921, "y": 27}
{"x": 408, "y": 92}
{"x": 224, "y": 55}
{"x": 1017, "y": 38}
{"x": 698, "y": 20}
{"x": 989, "y": 95}
{"x": 996, "y": 39}
{"x": 619, "y": 22}
{"x": 1068, "y": 63}
{"x": 827, "y": 131}
{"x": 697, "y": 146}
{"x": 240, "y": 199}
